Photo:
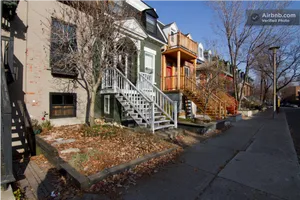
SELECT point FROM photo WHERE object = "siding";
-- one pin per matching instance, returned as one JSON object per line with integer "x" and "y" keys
{"x": 157, "y": 47}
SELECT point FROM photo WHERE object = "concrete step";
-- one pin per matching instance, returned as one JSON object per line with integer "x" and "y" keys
{"x": 142, "y": 125}
{"x": 137, "y": 119}
{"x": 161, "y": 121}
{"x": 163, "y": 126}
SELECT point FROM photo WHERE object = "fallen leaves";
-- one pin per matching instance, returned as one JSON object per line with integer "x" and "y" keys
{"x": 103, "y": 146}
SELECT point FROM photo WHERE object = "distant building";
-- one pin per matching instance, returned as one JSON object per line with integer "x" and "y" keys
{"x": 291, "y": 93}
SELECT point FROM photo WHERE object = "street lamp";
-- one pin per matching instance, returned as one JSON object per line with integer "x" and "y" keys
{"x": 274, "y": 49}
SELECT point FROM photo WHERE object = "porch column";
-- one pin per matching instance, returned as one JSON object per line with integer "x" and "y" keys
{"x": 138, "y": 69}
{"x": 178, "y": 70}
{"x": 195, "y": 69}
{"x": 139, "y": 44}
{"x": 164, "y": 72}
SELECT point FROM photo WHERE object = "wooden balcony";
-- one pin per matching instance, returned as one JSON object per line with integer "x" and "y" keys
{"x": 171, "y": 83}
{"x": 182, "y": 42}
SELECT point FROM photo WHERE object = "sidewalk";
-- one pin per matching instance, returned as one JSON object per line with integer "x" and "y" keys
{"x": 255, "y": 159}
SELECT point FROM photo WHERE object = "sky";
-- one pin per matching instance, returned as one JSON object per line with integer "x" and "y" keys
{"x": 194, "y": 17}
{"x": 190, "y": 16}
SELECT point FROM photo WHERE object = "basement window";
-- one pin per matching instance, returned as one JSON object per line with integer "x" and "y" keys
{"x": 107, "y": 104}
{"x": 62, "y": 105}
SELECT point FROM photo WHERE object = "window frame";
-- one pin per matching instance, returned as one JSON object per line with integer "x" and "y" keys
{"x": 74, "y": 95}
{"x": 115, "y": 6}
{"x": 148, "y": 16}
{"x": 55, "y": 69}
{"x": 106, "y": 97}
{"x": 152, "y": 53}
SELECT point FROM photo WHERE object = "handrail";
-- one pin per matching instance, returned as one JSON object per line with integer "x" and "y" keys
{"x": 117, "y": 80}
{"x": 123, "y": 76}
{"x": 231, "y": 100}
{"x": 160, "y": 99}
{"x": 215, "y": 97}
{"x": 216, "y": 100}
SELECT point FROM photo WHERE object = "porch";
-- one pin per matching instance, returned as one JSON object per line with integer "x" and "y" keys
{"x": 178, "y": 61}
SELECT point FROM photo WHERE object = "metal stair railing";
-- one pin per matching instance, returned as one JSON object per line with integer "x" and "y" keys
{"x": 115, "y": 79}
{"x": 161, "y": 100}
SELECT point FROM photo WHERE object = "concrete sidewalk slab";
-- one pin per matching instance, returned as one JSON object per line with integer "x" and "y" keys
{"x": 176, "y": 182}
{"x": 236, "y": 138}
{"x": 8, "y": 194}
{"x": 273, "y": 139}
{"x": 227, "y": 190}
{"x": 266, "y": 173}
{"x": 207, "y": 157}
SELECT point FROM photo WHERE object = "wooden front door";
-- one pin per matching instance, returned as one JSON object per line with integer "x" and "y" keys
{"x": 169, "y": 78}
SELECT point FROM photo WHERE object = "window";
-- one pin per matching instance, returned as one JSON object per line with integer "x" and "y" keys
{"x": 200, "y": 52}
{"x": 107, "y": 104}
{"x": 150, "y": 24}
{"x": 63, "y": 46}
{"x": 172, "y": 35}
{"x": 150, "y": 63}
{"x": 187, "y": 71}
{"x": 173, "y": 31}
{"x": 115, "y": 6}
{"x": 62, "y": 105}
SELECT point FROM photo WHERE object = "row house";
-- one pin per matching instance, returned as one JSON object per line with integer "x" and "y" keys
{"x": 227, "y": 74}
{"x": 129, "y": 94}
{"x": 179, "y": 58}
{"x": 179, "y": 77}
{"x": 157, "y": 82}
{"x": 138, "y": 100}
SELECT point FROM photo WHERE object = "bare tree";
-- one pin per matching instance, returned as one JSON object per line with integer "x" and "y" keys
{"x": 264, "y": 82}
{"x": 212, "y": 78}
{"x": 244, "y": 42}
{"x": 288, "y": 61}
{"x": 87, "y": 37}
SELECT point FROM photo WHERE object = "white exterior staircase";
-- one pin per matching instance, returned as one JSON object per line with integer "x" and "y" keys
{"x": 150, "y": 109}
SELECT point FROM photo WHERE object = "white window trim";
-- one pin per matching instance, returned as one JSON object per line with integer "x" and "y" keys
{"x": 108, "y": 104}
{"x": 148, "y": 50}
{"x": 153, "y": 54}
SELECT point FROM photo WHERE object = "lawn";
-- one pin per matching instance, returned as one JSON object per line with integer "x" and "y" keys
{"x": 90, "y": 150}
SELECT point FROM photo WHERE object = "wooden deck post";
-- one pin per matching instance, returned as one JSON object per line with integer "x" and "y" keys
{"x": 195, "y": 69}
{"x": 164, "y": 68}
{"x": 178, "y": 70}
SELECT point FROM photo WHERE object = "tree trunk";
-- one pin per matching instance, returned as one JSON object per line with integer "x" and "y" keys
{"x": 87, "y": 108}
{"x": 261, "y": 89}
{"x": 92, "y": 108}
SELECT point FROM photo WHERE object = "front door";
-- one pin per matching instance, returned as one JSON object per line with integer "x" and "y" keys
{"x": 169, "y": 78}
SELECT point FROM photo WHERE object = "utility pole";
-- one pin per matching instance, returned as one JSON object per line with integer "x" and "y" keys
{"x": 274, "y": 49}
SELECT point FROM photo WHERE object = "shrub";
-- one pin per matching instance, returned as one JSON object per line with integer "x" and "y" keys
{"x": 46, "y": 125}
{"x": 78, "y": 159}
{"x": 104, "y": 131}
{"x": 36, "y": 127}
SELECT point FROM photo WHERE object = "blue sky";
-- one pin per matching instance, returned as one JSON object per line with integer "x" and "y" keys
{"x": 193, "y": 17}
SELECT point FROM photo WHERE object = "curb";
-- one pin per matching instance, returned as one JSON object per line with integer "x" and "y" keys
{"x": 82, "y": 181}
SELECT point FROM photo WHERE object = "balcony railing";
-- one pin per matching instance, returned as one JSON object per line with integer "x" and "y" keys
{"x": 180, "y": 40}
{"x": 171, "y": 83}
{"x": 9, "y": 9}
